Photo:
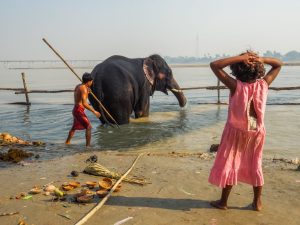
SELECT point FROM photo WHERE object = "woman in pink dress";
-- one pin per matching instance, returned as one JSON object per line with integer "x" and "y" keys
{"x": 239, "y": 157}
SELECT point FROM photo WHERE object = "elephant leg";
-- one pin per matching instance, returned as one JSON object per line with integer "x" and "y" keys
{"x": 120, "y": 105}
{"x": 142, "y": 108}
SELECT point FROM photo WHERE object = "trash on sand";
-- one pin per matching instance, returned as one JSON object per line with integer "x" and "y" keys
{"x": 295, "y": 161}
{"x": 74, "y": 184}
{"x": 67, "y": 187}
{"x": 8, "y": 139}
{"x": 83, "y": 192}
{"x": 22, "y": 163}
{"x": 105, "y": 183}
{"x": 27, "y": 197}
{"x": 21, "y": 195}
{"x": 185, "y": 192}
{"x": 35, "y": 190}
{"x": 213, "y": 222}
{"x": 102, "y": 193}
{"x": 214, "y": 148}
{"x": 49, "y": 188}
{"x": 58, "y": 193}
{"x": 22, "y": 222}
{"x": 91, "y": 184}
{"x": 9, "y": 214}
{"x": 66, "y": 206}
{"x": 99, "y": 170}
{"x": 92, "y": 159}
{"x": 290, "y": 161}
{"x": 74, "y": 173}
{"x": 65, "y": 216}
{"x": 85, "y": 198}
{"x": 123, "y": 221}
{"x": 15, "y": 155}
{"x": 118, "y": 188}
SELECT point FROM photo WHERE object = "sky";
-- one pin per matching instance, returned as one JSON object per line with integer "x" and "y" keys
{"x": 97, "y": 29}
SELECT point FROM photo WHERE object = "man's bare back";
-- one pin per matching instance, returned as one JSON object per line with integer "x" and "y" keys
{"x": 80, "y": 98}
{"x": 80, "y": 94}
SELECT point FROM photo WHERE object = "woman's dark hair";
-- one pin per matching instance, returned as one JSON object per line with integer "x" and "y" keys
{"x": 245, "y": 72}
{"x": 86, "y": 77}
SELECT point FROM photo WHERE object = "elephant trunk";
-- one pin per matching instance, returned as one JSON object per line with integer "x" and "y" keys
{"x": 175, "y": 89}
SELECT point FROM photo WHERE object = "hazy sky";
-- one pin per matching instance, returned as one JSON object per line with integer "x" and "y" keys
{"x": 96, "y": 29}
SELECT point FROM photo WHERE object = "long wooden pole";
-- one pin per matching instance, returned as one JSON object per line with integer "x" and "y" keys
{"x": 25, "y": 89}
{"x": 64, "y": 61}
{"x": 21, "y": 90}
{"x": 102, "y": 202}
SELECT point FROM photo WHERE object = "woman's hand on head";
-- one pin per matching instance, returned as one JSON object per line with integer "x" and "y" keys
{"x": 250, "y": 58}
{"x": 260, "y": 59}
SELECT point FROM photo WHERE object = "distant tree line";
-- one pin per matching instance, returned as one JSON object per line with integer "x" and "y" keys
{"x": 291, "y": 56}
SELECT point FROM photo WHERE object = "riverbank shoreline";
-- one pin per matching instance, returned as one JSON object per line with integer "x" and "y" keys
{"x": 179, "y": 192}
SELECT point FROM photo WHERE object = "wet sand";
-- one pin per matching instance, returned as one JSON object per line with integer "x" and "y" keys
{"x": 178, "y": 194}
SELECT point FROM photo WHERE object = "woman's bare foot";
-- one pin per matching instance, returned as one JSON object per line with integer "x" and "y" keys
{"x": 218, "y": 205}
{"x": 257, "y": 206}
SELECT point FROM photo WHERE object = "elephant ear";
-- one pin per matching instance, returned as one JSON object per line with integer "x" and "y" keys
{"x": 148, "y": 68}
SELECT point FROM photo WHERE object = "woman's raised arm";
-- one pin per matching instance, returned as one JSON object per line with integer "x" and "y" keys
{"x": 219, "y": 65}
{"x": 274, "y": 71}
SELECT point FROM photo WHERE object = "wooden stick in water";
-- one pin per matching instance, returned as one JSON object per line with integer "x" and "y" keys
{"x": 102, "y": 202}
{"x": 25, "y": 89}
{"x": 64, "y": 61}
{"x": 218, "y": 84}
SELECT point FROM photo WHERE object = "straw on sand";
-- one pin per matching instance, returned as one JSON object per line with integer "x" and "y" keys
{"x": 99, "y": 170}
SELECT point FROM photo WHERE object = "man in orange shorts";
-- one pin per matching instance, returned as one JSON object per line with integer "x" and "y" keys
{"x": 81, "y": 122}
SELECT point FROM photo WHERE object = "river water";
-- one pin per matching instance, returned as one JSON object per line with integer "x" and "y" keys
{"x": 168, "y": 127}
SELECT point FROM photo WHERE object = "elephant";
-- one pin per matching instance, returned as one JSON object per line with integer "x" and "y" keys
{"x": 124, "y": 85}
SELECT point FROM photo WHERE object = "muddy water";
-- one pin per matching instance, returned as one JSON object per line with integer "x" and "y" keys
{"x": 168, "y": 128}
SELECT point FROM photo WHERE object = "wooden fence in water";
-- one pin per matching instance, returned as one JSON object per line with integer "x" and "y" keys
{"x": 218, "y": 88}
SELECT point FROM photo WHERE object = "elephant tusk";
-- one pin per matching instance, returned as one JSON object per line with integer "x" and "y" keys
{"x": 176, "y": 90}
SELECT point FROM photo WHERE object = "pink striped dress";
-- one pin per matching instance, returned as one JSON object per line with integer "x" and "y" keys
{"x": 239, "y": 157}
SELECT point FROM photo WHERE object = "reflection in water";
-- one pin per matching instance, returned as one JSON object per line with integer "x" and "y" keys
{"x": 26, "y": 115}
{"x": 26, "y": 121}
{"x": 218, "y": 112}
{"x": 157, "y": 128}
{"x": 168, "y": 128}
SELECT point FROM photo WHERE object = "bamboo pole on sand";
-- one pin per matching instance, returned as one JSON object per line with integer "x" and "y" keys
{"x": 102, "y": 202}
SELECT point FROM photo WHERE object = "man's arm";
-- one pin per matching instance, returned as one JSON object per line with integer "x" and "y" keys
{"x": 84, "y": 95}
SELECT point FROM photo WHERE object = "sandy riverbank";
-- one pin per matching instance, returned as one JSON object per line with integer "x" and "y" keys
{"x": 178, "y": 194}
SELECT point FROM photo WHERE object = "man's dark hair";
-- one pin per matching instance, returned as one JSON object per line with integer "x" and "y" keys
{"x": 86, "y": 77}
